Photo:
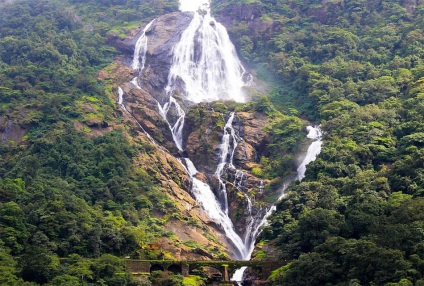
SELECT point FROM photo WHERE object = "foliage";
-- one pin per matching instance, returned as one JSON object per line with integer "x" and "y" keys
{"x": 62, "y": 193}
{"x": 357, "y": 67}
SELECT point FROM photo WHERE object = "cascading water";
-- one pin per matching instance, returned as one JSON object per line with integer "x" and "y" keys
{"x": 177, "y": 127}
{"x": 205, "y": 67}
{"x": 140, "y": 50}
{"x": 239, "y": 179}
{"x": 313, "y": 151}
{"x": 192, "y": 5}
{"x": 205, "y": 64}
{"x": 227, "y": 149}
{"x": 212, "y": 207}
{"x": 228, "y": 140}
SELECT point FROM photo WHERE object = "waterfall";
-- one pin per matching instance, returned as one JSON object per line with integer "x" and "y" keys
{"x": 205, "y": 64}
{"x": 313, "y": 151}
{"x": 139, "y": 59}
{"x": 193, "y": 5}
{"x": 205, "y": 67}
{"x": 228, "y": 141}
{"x": 177, "y": 127}
{"x": 239, "y": 179}
{"x": 206, "y": 198}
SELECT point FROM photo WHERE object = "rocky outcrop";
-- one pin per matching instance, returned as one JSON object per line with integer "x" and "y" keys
{"x": 15, "y": 124}
{"x": 202, "y": 136}
{"x": 204, "y": 131}
{"x": 164, "y": 33}
{"x": 250, "y": 14}
{"x": 10, "y": 130}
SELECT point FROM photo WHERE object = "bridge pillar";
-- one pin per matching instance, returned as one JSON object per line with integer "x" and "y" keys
{"x": 226, "y": 276}
{"x": 185, "y": 269}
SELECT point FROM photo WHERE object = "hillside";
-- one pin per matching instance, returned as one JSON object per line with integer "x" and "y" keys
{"x": 82, "y": 186}
{"x": 357, "y": 68}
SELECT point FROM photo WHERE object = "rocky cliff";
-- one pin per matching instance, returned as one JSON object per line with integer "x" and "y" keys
{"x": 202, "y": 134}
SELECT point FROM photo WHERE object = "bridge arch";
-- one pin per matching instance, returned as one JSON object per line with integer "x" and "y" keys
{"x": 175, "y": 268}
{"x": 212, "y": 272}
{"x": 156, "y": 267}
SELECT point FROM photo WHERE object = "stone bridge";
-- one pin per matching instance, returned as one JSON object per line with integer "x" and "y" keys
{"x": 224, "y": 269}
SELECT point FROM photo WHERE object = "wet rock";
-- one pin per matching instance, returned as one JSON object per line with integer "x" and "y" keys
{"x": 244, "y": 153}
{"x": 252, "y": 130}
{"x": 166, "y": 31}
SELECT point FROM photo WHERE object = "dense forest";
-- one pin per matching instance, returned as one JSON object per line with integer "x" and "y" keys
{"x": 72, "y": 203}
{"x": 64, "y": 192}
{"x": 357, "y": 67}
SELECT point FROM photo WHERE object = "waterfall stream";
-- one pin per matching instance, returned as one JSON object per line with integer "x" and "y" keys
{"x": 205, "y": 66}
{"x": 313, "y": 151}
{"x": 139, "y": 59}
{"x": 229, "y": 141}
{"x": 206, "y": 198}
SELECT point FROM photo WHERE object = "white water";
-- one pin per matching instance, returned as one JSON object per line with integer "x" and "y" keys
{"x": 240, "y": 179}
{"x": 206, "y": 198}
{"x": 216, "y": 209}
{"x": 139, "y": 59}
{"x": 134, "y": 81}
{"x": 313, "y": 151}
{"x": 177, "y": 127}
{"x": 205, "y": 67}
{"x": 217, "y": 73}
{"x": 121, "y": 97}
{"x": 225, "y": 146}
{"x": 205, "y": 64}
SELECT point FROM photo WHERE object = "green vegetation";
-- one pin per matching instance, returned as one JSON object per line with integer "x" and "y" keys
{"x": 62, "y": 194}
{"x": 357, "y": 67}
{"x": 73, "y": 201}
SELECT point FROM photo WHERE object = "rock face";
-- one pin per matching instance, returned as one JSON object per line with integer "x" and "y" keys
{"x": 204, "y": 131}
{"x": 162, "y": 35}
{"x": 164, "y": 169}
{"x": 249, "y": 13}
{"x": 10, "y": 130}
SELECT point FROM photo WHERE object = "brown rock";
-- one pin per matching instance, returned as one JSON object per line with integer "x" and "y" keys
{"x": 244, "y": 153}
{"x": 10, "y": 130}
